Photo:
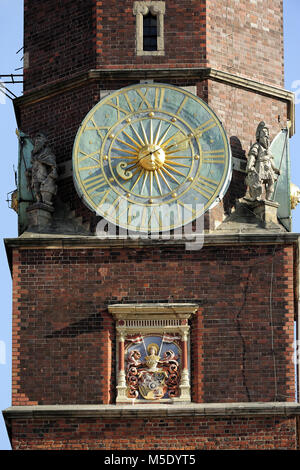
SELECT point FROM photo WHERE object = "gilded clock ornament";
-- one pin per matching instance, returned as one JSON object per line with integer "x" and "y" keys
{"x": 151, "y": 157}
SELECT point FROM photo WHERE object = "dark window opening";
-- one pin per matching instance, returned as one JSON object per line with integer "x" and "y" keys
{"x": 150, "y": 32}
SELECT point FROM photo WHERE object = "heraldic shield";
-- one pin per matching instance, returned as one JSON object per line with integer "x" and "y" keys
{"x": 152, "y": 385}
{"x": 153, "y": 366}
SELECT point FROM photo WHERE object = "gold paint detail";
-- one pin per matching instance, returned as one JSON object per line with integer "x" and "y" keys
{"x": 206, "y": 186}
{"x": 123, "y": 172}
{"x": 151, "y": 157}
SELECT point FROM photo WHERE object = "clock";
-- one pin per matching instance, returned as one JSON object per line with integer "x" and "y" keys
{"x": 151, "y": 157}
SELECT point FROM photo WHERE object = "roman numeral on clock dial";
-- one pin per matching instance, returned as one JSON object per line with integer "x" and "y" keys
{"x": 94, "y": 183}
{"x": 206, "y": 186}
{"x": 214, "y": 156}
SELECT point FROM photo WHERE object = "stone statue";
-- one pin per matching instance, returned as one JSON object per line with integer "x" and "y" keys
{"x": 43, "y": 173}
{"x": 261, "y": 171}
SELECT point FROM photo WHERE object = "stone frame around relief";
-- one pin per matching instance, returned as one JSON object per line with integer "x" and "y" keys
{"x": 160, "y": 331}
{"x": 142, "y": 8}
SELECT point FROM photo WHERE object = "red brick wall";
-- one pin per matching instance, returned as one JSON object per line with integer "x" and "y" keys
{"x": 184, "y": 33}
{"x": 246, "y": 38}
{"x": 59, "y": 117}
{"x": 240, "y": 111}
{"x": 64, "y": 337}
{"x": 188, "y": 433}
{"x": 59, "y": 40}
{"x": 64, "y": 38}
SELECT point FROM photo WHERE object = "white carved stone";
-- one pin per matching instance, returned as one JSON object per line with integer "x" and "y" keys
{"x": 158, "y": 9}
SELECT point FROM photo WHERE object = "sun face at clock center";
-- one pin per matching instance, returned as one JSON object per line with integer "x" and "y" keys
{"x": 151, "y": 157}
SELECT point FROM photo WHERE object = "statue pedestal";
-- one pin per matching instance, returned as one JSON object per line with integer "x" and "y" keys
{"x": 39, "y": 215}
{"x": 250, "y": 216}
{"x": 266, "y": 211}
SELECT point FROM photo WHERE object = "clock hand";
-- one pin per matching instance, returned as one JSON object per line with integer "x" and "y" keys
{"x": 196, "y": 134}
{"x": 180, "y": 142}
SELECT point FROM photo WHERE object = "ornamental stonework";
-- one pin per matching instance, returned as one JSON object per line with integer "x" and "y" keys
{"x": 153, "y": 366}
{"x": 153, "y": 352}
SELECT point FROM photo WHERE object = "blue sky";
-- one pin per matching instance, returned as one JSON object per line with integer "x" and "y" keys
{"x": 11, "y": 40}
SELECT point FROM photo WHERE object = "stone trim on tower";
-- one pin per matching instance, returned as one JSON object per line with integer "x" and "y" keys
{"x": 153, "y": 352}
{"x": 156, "y": 8}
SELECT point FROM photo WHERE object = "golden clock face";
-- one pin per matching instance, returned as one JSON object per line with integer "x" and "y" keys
{"x": 151, "y": 157}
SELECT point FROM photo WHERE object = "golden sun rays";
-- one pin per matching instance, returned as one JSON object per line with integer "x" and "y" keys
{"x": 151, "y": 155}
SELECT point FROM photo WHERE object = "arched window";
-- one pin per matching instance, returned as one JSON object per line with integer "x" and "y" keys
{"x": 149, "y": 27}
{"x": 150, "y": 32}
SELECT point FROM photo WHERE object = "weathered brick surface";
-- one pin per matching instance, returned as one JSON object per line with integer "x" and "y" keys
{"x": 65, "y": 39}
{"x": 65, "y": 336}
{"x": 156, "y": 434}
{"x": 184, "y": 32}
{"x": 59, "y": 40}
{"x": 246, "y": 38}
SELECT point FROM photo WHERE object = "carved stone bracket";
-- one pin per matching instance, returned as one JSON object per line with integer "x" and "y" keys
{"x": 139, "y": 370}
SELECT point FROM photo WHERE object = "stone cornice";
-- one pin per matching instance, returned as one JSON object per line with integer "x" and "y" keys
{"x": 80, "y": 241}
{"x": 64, "y": 242}
{"x": 130, "y": 311}
{"x": 153, "y": 410}
{"x": 159, "y": 74}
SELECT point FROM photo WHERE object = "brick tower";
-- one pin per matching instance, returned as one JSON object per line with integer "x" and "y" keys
{"x": 149, "y": 343}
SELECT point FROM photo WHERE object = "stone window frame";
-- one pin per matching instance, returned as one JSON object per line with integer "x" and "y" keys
{"x": 153, "y": 318}
{"x": 156, "y": 8}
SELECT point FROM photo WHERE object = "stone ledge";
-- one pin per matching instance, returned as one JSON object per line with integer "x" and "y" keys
{"x": 72, "y": 241}
{"x": 159, "y": 74}
{"x": 156, "y": 410}
{"x": 64, "y": 242}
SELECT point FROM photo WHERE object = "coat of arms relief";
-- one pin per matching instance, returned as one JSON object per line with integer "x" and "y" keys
{"x": 153, "y": 352}
{"x": 153, "y": 366}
